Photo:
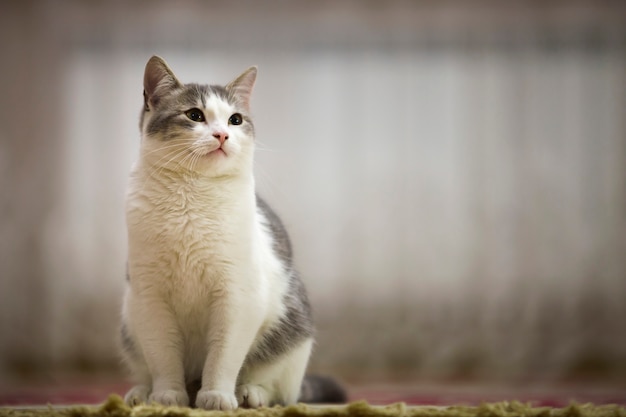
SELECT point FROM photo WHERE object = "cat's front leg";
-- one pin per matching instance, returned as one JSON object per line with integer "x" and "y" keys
{"x": 161, "y": 345}
{"x": 237, "y": 322}
{"x": 139, "y": 393}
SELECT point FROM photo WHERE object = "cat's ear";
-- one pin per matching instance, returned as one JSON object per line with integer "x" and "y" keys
{"x": 158, "y": 79}
{"x": 241, "y": 87}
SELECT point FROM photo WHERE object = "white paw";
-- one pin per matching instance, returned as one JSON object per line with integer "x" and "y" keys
{"x": 170, "y": 397}
{"x": 137, "y": 395}
{"x": 216, "y": 400}
{"x": 252, "y": 396}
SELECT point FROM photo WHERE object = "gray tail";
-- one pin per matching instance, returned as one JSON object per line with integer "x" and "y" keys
{"x": 322, "y": 389}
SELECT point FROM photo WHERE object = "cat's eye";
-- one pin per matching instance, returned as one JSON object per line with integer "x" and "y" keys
{"x": 195, "y": 114}
{"x": 235, "y": 119}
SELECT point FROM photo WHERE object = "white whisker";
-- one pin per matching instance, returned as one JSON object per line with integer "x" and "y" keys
{"x": 260, "y": 146}
{"x": 158, "y": 167}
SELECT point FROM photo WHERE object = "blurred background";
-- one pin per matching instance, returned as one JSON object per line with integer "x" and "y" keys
{"x": 453, "y": 175}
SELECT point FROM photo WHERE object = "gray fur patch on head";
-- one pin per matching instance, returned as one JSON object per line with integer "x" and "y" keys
{"x": 166, "y": 99}
{"x": 165, "y": 122}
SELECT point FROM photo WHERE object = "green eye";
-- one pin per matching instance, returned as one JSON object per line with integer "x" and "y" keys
{"x": 235, "y": 119}
{"x": 195, "y": 114}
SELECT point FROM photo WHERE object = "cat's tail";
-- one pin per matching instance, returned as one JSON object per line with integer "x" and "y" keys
{"x": 322, "y": 389}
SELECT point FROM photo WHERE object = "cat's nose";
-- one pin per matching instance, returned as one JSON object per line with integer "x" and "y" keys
{"x": 221, "y": 136}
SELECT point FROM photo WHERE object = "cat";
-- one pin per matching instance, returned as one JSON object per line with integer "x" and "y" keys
{"x": 214, "y": 314}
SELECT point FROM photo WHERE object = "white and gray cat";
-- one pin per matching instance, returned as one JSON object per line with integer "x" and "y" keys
{"x": 214, "y": 313}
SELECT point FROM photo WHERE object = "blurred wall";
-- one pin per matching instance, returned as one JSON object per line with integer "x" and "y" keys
{"x": 453, "y": 175}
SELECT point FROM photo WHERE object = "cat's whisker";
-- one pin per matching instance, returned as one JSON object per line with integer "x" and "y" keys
{"x": 176, "y": 155}
{"x": 271, "y": 186}
{"x": 173, "y": 148}
{"x": 190, "y": 160}
{"x": 158, "y": 167}
{"x": 269, "y": 150}
{"x": 262, "y": 147}
{"x": 195, "y": 158}
{"x": 174, "y": 143}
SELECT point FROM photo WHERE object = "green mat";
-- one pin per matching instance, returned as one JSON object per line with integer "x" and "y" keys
{"x": 115, "y": 407}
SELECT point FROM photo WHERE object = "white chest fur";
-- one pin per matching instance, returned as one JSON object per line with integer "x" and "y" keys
{"x": 190, "y": 232}
{"x": 192, "y": 241}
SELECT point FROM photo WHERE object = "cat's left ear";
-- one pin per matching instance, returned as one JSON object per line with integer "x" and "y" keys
{"x": 241, "y": 87}
{"x": 158, "y": 80}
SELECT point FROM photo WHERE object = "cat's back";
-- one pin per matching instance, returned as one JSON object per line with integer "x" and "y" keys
{"x": 281, "y": 244}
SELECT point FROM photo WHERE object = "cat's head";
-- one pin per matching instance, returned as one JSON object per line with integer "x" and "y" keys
{"x": 205, "y": 129}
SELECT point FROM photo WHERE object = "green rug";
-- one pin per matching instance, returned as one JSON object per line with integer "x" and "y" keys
{"x": 115, "y": 407}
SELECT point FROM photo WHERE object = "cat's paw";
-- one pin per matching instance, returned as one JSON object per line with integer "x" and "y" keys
{"x": 252, "y": 396}
{"x": 170, "y": 397}
{"x": 216, "y": 400}
{"x": 137, "y": 395}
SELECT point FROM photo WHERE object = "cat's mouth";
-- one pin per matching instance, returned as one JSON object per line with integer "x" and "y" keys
{"x": 219, "y": 151}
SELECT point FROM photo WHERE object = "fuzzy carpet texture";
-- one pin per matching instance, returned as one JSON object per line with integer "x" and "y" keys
{"x": 115, "y": 407}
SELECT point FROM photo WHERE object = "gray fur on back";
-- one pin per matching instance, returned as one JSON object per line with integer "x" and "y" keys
{"x": 297, "y": 323}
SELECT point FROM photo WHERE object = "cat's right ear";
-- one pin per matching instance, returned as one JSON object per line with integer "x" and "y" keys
{"x": 158, "y": 80}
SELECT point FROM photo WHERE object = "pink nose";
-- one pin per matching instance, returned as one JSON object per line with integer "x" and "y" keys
{"x": 221, "y": 136}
